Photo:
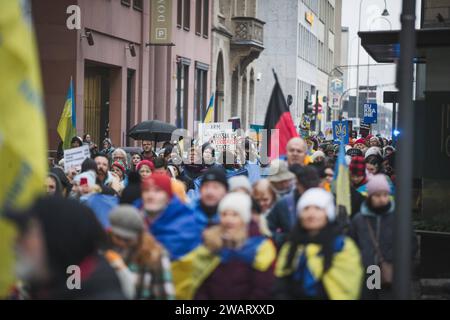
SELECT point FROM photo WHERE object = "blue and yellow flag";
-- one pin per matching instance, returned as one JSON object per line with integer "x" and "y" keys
{"x": 342, "y": 181}
{"x": 210, "y": 111}
{"x": 22, "y": 122}
{"x": 68, "y": 123}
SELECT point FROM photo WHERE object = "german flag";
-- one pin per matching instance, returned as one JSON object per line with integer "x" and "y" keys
{"x": 278, "y": 117}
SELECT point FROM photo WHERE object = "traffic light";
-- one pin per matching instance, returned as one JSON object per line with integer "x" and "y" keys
{"x": 308, "y": 106}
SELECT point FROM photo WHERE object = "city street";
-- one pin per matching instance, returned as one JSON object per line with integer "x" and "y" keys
{"x": 218, "y": 150}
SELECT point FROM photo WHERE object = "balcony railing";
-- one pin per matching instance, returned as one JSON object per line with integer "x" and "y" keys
{"x": 248, "y": 31}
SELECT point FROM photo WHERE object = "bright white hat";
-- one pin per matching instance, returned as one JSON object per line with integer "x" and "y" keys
{"x": 320, "y": 198}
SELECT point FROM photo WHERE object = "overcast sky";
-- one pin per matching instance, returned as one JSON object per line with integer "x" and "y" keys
{"x": 371, "y": 20}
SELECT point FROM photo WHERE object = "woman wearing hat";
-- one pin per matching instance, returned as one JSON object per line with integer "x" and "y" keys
{"x": 373, "y": 228}
{"x": 318, "y": 262}
{"x": 230, "y": 264}
{"x": 145, "y": 168}
{"x": 118, "y": 169}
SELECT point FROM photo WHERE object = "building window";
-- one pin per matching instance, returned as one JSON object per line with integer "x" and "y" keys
{"x": 198, "y": 17}
{"x": 205, "y": 18}
{"x": 187, "y": 15}
{"x": 201, "y": 86}
{"x": 126, "y": 2}
{"x": 138, "y": 5}
{"x": 182, "y": 92}
{"x": 179, "y": 13}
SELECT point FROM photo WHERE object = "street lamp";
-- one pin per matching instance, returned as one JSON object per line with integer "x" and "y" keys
{"x": 368, "y": 56}
{"x": 384, "y": 13}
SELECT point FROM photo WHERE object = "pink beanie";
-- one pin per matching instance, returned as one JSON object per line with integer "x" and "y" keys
{"x": 378, "y": 183}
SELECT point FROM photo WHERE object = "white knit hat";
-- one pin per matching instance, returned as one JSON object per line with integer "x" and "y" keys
{"x": 240, "y": 182}
{"x": 320, "y": 198}
{"x": 317, "y": 154}
{"x": 239, "y": 203}
{"x": 372, "y": 151}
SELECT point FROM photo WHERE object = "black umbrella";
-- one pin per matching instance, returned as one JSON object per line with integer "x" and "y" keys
{"x": 153, "y": 130}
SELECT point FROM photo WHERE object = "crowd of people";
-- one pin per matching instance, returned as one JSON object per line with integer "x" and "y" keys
{"x": 144, "y": 226}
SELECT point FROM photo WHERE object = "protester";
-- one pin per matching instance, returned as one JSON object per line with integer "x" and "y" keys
{"x": 214, "y": 186}
{"x": 281, "y": 178}
{"x": 178, "y": 187}
{"x": 358, "y": 177}
{"x": 318, "y": 157}
{"x": 55, "y": 235}
{"x": 135, "y": 159}
{"x": 119, "y": 155}
{"x": 240, "y": 184}
{"x": 145, "y": 168}
{"x": 53, "y": 185}
{"x": 389, "y": 166}
{"x": 104, "y": 176}
{"x": 372, "y": 229}
{"x": 76, "y": 142}
{"x": 318, "y": 262}
{"x": 87, "y": 140}
{"x": 66, "y": 184}
{"x": 138, "y": 257}
{"x": 374, "y": 164}
{"x": 148, "y": 153}
{"x": 296, "y": 150}
{"x": 118, "y": 168}
{"x": 244, "y": 267}
{"x": 360, "y": 144}
{"x": 108, "y": 148}
{"x": 388, "y": 150}
{"x": 168, "y": 219}
{"x": 281, "y": 218}
{"x": 264, "y": 195}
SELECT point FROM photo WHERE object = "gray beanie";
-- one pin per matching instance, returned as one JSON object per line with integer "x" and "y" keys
{"x": 240, "y": 182}
{"x": 126, "y": 222}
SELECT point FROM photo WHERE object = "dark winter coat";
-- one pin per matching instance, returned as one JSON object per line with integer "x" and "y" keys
{"x": 283, "y": 217}
{"x": 383, "y": 227}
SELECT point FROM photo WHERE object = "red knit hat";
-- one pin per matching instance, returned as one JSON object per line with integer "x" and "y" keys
{"x": 358, "y": 166}
{"x": 147, "y": 163}
{"x": 119, "y": 165}
{"x": 360, "y": 140}
{"x": 159, "y": 180}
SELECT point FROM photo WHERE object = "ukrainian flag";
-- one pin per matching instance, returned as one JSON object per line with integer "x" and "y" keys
{"x": 22, "y": 123}
{"x": 342, "y": 181}
{"x": 210, "y": 111}
{"x": 68, "y": 122}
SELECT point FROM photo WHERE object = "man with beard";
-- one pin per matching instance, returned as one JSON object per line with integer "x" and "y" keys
{"x": 104, "y": 176}
{"x": 281, "y": 218}
{"x": 280, "y": 178}
{"x": 214, "y": 186}
{"x": 148, "y": 153}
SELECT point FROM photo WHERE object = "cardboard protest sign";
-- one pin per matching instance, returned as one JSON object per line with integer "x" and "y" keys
{"x": 73, "y": 158}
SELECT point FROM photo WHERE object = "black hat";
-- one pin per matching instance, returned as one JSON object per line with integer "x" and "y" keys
{"x": 217, "y": 175}
{"x": 354, "y": 152}
{"x": 77, "y": 139}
